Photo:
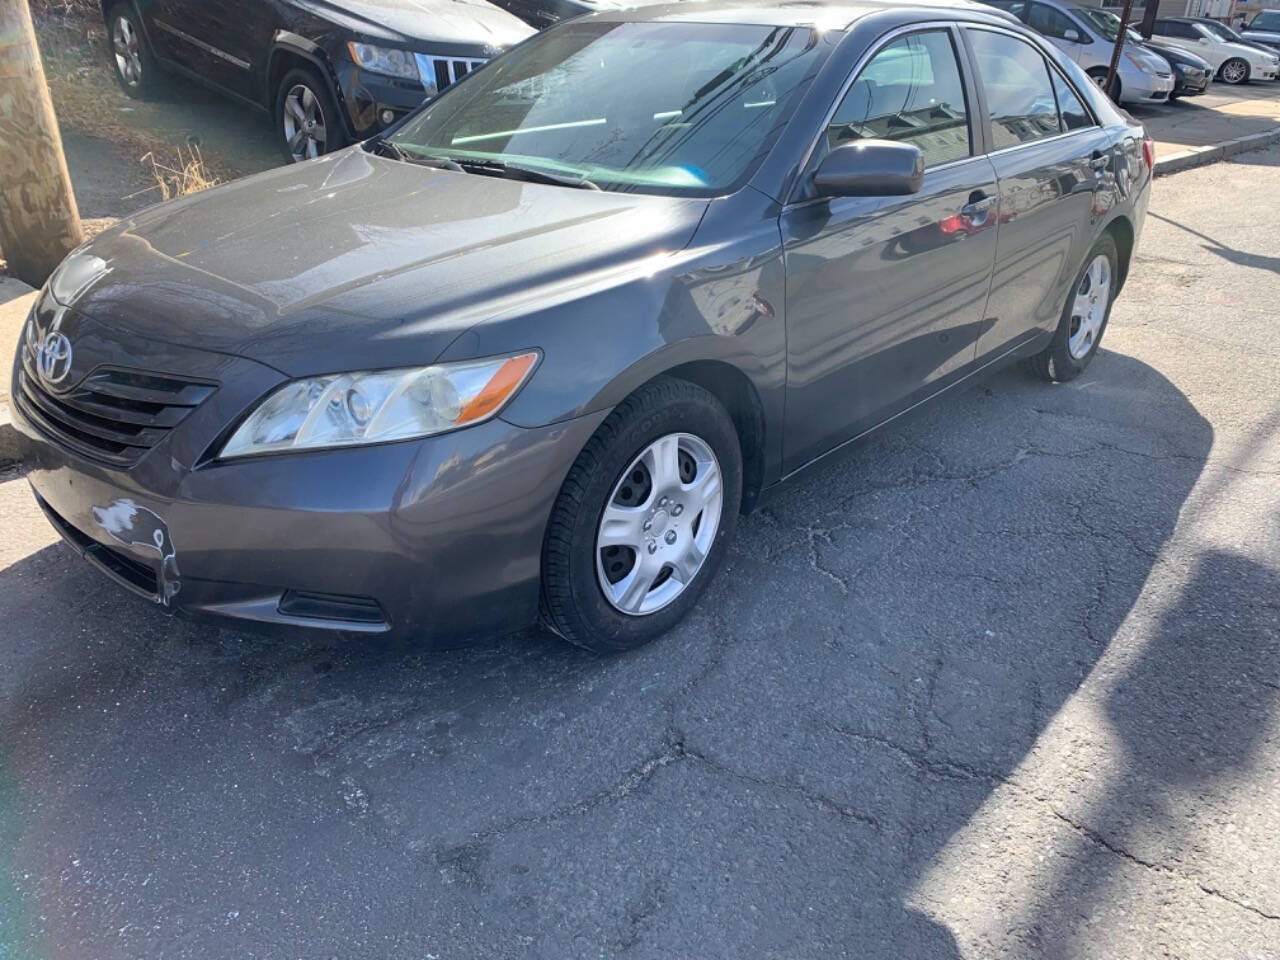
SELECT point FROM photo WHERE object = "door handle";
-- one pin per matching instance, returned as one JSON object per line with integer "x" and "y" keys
{"x": 976, "y": 210}
{"x": 1099, "y": 161}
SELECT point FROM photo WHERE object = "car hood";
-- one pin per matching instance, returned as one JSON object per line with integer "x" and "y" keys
{"x": 1254, "y": 53}
{"x": 356, "y": 261}
{"x": 431, "y": 22}
{"x": 1262, "y": 36}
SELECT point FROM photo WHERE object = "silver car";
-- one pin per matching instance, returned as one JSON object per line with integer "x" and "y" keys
{"x": 1088, "y": 37}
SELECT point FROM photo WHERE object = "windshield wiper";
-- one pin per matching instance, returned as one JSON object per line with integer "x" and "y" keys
{"x": 518, "y": 171}
{"x": 397, "y": 152}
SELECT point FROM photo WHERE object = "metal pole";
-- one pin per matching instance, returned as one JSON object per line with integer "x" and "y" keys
{"x": 1115, "y": 54}
{"x": 39, "y": 221}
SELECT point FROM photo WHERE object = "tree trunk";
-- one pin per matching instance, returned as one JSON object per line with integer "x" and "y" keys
{"x": 39, "y": 222}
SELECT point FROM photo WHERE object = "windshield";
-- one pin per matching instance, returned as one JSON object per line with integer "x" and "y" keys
{"x": 1220, "y": 30}
{"x": 1266, "y": 21}
{"x": 1107, "y": 24}
{"x": 674, "y": 108}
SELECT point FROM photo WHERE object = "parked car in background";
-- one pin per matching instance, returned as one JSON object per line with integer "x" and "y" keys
{"x": 329, "y": 73}
{"x": 1192, "y": 75}
{"x": 1141, "y": 76}
{"x": 1230, "y": 35}
{"x": 543, "y": 13}
{"x": 1233, "y": 62}
{"x": 533, "y": 351}
{"x": 1264, "y": 29}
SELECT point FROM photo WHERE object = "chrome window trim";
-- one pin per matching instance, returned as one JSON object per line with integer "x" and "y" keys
{"x": 206, "y": 47}
{"x": 860, "y": 65}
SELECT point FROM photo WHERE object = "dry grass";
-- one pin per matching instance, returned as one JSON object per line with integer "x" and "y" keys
{"x": 187, "y": 175}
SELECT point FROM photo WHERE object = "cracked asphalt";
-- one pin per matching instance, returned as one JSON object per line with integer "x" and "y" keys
{"x": 1003, "y": 682}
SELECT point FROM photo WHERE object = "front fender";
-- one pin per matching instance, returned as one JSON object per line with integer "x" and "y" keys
{"x": 721, "y": 300}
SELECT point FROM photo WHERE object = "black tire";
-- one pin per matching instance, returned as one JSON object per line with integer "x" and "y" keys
{"x": 132, "y": 62}
{"x": 1099, "y": 77}
{"x": 1240, "y": 68}
{"x": 573, "y": 603}
{"x": 1055, "y": 362}
{"x": 326, "y": 107}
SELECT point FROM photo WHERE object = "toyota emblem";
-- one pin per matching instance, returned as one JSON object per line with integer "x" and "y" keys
{"x": 53, "y": 359}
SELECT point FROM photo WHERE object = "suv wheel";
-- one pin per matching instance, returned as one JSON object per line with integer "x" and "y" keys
{"x": 643, "y": 518}
{"x": 307, "y": 118}
{"x": 1084, "y": 318}
{"x": 131, "y": 59}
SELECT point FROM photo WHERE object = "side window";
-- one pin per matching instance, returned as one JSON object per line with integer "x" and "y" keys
{"x": 1019, "y": 92}
{"x": 1074, "y": 114}
{"x": 911, "y": 92}
{"x": 1048, "y": 22}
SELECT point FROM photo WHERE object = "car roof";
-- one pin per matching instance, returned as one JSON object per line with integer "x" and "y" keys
{"x": 833, "y": 14}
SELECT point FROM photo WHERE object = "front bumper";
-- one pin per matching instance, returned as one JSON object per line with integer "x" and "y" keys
{"x": 433, "y": 538}
{"x": 1145, "y": 88}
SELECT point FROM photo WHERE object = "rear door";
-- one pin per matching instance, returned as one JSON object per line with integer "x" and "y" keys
{"x": 1052, "y": 160}
{"x": 885, "y": 295}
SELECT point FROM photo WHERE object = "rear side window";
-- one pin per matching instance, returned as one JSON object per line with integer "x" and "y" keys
{"x": 910, "y": 92}
{"x": 1019, "y": 91}
{"x": 1074, "y": 114}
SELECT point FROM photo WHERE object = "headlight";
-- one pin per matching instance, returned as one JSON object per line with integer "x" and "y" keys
{"x": 1138, "y": 62}
{"x": 348, "y": 409}
{"x": 384, "y": 60}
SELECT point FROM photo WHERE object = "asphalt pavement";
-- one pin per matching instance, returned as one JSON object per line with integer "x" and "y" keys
{"x": 1002, "y": 682}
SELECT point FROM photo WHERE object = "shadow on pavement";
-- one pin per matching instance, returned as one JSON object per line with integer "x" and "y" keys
{"x": 1191, "y": 713}
{"x": 890, "y": 635}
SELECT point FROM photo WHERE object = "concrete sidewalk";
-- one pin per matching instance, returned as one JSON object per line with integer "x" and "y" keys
{"x": 1210, "y": 128}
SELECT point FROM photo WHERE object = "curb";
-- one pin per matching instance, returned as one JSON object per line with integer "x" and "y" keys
{"x": 1214, "y": 152}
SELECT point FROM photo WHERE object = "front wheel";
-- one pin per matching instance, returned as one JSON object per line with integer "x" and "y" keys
{"x": 306, "y": 116}
{"x": 1084, "y": 318}
{"x": 133, "y": 65}
{"x": 1099, "y": 78}
{"x": 643, "y": 519}
{"x": 1234, "y": 71}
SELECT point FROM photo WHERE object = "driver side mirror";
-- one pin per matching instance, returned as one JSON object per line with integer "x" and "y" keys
{"x": 871, "y": 168}
{"x": 1071, "y": 36}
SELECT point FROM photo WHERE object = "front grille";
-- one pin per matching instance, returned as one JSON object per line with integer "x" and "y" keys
{"x": 442, "y": 71}
{"x": 112, "y": 415}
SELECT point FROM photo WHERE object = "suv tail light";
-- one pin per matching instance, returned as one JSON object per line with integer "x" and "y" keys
{"x": 1149, "y": 153}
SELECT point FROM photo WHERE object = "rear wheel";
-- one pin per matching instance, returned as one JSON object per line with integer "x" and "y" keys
{"x": 643, "y": 518}
{"x": 1084, "y": 318}
{"x": 306, "y": 116}
{"x": 131, "y": 59}
{"x": 1234, "y": 71}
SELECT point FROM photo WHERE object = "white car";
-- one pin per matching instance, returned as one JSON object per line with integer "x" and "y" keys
{"x": 1234, "y": 62}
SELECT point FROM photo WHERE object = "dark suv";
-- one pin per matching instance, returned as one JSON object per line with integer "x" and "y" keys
{"x": 328, "y": 72}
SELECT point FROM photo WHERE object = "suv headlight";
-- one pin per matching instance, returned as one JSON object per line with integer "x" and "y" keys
{"x": 350, "y": 409}
{"x": 384, "y": 60}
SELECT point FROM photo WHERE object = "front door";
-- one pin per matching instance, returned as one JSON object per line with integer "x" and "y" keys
{"x": 886, "y": 295}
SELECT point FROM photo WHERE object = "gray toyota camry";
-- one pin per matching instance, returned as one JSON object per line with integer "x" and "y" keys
{"x": 531, "y": 352}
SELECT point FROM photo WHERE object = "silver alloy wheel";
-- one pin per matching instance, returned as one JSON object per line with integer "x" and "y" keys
{"x": 1093, "y": 296}
{"x": 304, "y": 123}
{"x": 125, "y": 46}
{"x": 1235, "y": 71}
{"x": 659, "y": 524}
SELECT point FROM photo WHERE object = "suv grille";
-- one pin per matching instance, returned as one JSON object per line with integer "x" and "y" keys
{"x": 442, "y": 71}
{"x": 113, "y": 415}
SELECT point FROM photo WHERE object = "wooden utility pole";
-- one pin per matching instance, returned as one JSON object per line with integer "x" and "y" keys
{"x": 1115, "y": 54}
{"x": 39, "y": 222}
